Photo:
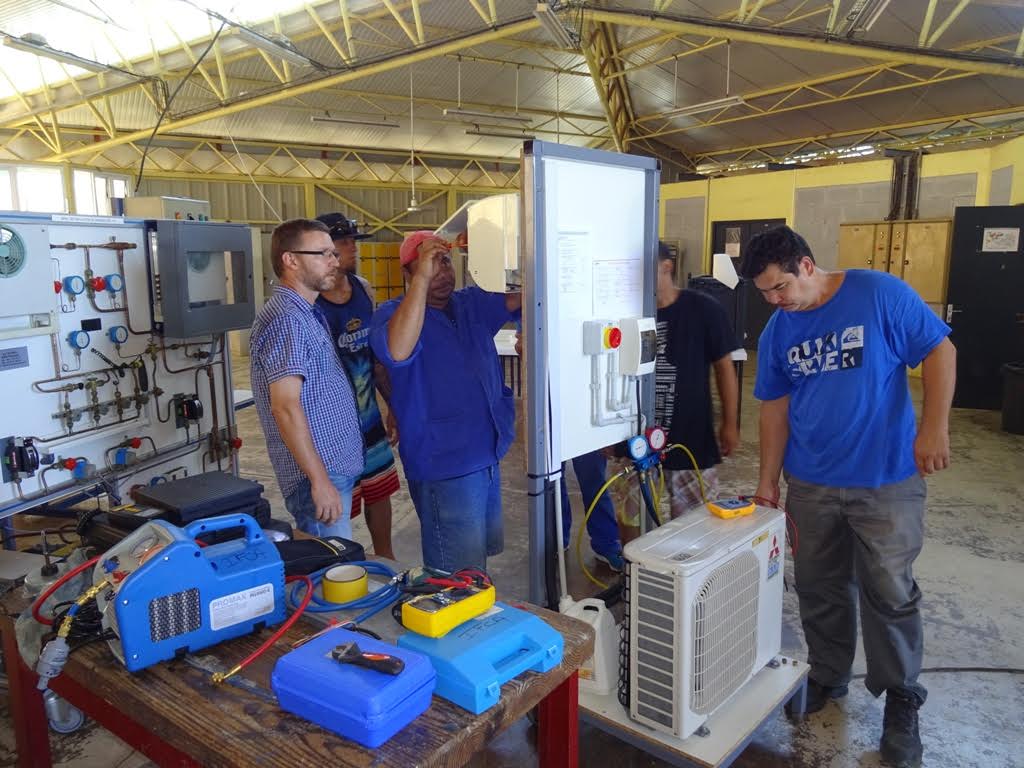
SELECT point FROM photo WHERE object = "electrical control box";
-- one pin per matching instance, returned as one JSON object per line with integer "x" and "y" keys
{"x": 167, "y": 207}
{"x": 202, "y": 277}
{"x": 639, "y": 346}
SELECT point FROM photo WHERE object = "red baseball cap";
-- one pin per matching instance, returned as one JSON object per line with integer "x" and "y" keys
{"x": 408, "y": 252}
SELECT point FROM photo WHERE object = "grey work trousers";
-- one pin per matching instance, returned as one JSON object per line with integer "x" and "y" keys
{"x": 860, "y": 540}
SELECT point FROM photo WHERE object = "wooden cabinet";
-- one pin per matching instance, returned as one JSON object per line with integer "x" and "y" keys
{"x": 926, "y": 258}
{"x": 864, "y": 246}
{"x": 857, "y": 246}
{"x": 916, "y": 251}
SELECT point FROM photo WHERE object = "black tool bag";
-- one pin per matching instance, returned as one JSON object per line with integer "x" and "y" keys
{"x": 304, "y": 556}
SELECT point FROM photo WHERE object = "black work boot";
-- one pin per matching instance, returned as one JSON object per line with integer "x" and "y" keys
{"x": 818, "y": 695}
{"x": 901, "y": 738}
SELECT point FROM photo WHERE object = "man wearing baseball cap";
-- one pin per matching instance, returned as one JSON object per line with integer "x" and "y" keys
{"x": 348, "y": 306}
{"x": 456, "y": 415}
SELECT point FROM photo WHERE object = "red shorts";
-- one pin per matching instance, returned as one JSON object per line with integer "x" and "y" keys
{"x": 371, "y": 489}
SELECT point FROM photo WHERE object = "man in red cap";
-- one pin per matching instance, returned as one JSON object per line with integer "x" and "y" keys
{"x": 447, "y": 392}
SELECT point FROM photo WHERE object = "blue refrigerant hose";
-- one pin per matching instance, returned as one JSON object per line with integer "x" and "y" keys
{"x": 373, "y": 602}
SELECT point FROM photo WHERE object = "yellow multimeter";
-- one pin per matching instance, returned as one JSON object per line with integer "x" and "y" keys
{"x": 730, "y": 508}
{"x": 438, "y": 614}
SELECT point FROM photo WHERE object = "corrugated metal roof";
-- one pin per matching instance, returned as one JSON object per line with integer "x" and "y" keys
{"x": 488, "y": 71}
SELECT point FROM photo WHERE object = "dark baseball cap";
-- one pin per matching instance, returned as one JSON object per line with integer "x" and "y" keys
{"x": 341, "y": 226}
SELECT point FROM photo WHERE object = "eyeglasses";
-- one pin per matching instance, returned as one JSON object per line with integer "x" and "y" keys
{"x": 327, "y": 253}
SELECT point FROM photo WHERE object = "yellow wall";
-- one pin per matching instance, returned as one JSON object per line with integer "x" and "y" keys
{"x": 968, "y": 161}
{"x": 867, "y": 172}
{"x": 772, "y": 195}
{"x": 677, "y": 191}
{"x": 1011, "y": 153}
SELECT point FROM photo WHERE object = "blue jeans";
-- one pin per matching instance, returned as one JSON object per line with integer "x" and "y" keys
{"x": 300, "y": 504}
{"x": 460, "y": 519}
{"x": 602, "y": 527}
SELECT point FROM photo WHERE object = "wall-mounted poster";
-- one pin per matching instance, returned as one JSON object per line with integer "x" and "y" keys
{"x": 1000, "y": 239}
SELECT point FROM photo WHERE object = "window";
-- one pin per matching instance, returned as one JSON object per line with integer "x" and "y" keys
{"x": 6, "y": 191}
{"x": 85, "y": 194}
{"x": 32, "y": 188}
{"x": 39, "y": 189}
{"x": 94, "y": 192}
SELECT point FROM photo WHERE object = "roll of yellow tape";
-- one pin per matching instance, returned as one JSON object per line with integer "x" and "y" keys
{"x": 344, "y": 583}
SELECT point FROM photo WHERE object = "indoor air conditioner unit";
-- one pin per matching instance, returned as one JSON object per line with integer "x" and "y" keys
{"x": 704, "y": 614}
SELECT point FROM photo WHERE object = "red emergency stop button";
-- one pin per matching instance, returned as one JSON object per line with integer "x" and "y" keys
{"x": 98, "y": 284}
{"x": 612, "y": 338}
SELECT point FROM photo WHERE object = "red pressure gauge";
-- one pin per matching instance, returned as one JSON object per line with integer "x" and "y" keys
{"x": 656, "y": 438}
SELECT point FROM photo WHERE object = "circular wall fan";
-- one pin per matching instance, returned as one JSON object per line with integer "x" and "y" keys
{"x": 12, "y": 252}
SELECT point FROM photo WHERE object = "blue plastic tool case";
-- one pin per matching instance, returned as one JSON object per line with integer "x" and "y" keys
{"x": 360, "y": 704}
{"x": 476, "y": 658}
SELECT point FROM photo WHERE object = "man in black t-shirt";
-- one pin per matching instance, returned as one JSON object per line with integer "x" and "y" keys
{"x": 694, "y": 334}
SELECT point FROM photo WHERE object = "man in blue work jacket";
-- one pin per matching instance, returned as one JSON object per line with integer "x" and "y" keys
{"x": 447, "y": 392}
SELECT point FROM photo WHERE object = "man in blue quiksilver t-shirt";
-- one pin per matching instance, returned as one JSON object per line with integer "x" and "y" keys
{"x": 455, "y": 414}
{"x": 836, "y": 416}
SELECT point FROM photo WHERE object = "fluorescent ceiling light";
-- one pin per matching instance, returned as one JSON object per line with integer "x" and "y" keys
{"x": 556, "y": 30}
{"x": 474, "y": 113}
{"x": 498, "y": 133}
{"x": 276, "y": 45}
{"x": 861, "y": 17}
{"x": 382, "y": 123}
{"x": 706, "y": 106}
{"x": 37, "y": 44}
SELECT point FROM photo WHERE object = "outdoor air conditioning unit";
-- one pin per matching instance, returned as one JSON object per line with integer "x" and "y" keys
{"x": 703, "y": 615}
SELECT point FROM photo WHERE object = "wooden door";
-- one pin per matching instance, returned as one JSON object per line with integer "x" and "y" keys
{"x": 926, "y": 258}
{"x": 856, "y": 246}
{"x": 897, "y": 248}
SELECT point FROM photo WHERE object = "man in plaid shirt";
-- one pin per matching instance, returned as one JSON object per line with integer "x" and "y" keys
{"x": 303, "y": 396}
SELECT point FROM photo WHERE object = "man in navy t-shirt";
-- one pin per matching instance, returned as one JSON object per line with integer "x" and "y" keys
{"x": 836, "y": 417}
{"x": 348, "y": 307}
{"x": 694, "y": 337}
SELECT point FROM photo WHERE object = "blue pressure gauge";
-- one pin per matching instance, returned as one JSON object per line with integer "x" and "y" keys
{"x": 74, "y": 284}
{"x": 78, "y": 339}
{"x": 115, "y": 283}
{"x": 637, "y": 447}
{"x": 117, "y": 334}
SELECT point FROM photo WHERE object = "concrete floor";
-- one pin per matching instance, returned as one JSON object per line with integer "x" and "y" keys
{"x": 971, "y": 572}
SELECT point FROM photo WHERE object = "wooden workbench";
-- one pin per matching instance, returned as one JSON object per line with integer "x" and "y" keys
{"x": 175, "y": 715}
